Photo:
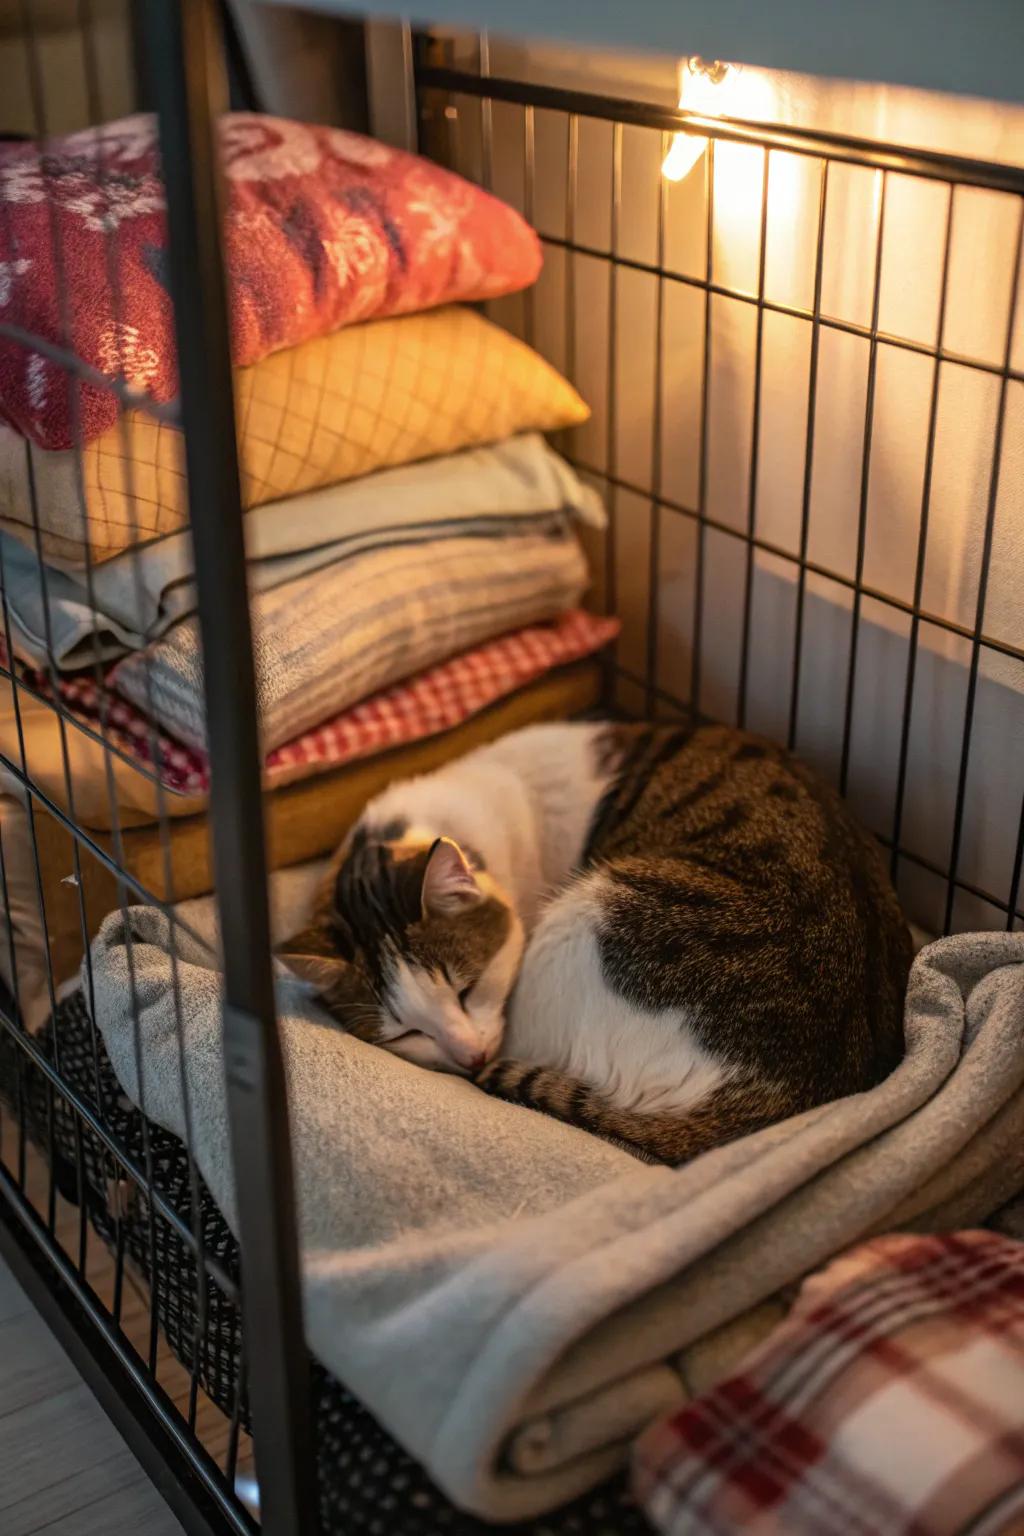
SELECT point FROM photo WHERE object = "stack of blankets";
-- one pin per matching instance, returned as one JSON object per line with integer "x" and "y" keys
{"x": 412, "y": 538}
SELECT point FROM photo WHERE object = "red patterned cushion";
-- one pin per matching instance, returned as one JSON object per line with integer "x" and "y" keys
{"x": 323, "y": 228}
{"x": 425, "y": 705}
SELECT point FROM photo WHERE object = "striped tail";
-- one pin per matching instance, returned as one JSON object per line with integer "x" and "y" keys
{"x": 733, "y": 1109}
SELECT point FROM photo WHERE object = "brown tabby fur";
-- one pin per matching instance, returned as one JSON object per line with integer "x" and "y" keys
{"x": 737, "y": 886}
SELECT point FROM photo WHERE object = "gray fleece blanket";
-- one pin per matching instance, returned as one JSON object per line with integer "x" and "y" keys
{"x": 515, "y": 1300}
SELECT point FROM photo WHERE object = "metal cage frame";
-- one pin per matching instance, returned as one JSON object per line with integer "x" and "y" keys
{"x": 184, "y": 51}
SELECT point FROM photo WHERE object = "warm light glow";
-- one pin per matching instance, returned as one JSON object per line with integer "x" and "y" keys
{"x": 707, "y": 89}
{"x": 686, "y": 150}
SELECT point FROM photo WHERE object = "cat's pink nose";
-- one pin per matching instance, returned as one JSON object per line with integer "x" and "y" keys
{"x": 478, "y": 1062}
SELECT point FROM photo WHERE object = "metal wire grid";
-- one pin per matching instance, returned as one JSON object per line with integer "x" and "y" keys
{"x": 61, "y": 1095}
{"x": 183, "y": 41}
{"x": 34, "y": 796}
{"x": 476, "y": 93}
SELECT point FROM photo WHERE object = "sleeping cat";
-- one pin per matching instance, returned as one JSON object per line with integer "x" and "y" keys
{"x": 674, "y": 936}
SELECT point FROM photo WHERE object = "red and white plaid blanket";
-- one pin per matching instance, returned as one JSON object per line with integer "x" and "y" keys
{"x": 889, "y": 1403}
{"x": 432, "y": 701}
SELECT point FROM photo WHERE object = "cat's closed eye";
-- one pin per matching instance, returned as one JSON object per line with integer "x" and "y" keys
{"x": 464, "y": 995}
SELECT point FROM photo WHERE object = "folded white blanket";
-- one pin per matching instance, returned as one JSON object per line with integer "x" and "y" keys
{"x": 515, "y": 1300}
{"x": 135, "y": 597}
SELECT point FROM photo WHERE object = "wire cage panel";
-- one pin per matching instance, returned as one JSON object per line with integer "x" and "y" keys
{"x": 809, "y": 350}
{"x": 106, "y": 1172}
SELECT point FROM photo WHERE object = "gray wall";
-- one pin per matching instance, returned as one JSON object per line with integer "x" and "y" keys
{"x": 970, "y": 46}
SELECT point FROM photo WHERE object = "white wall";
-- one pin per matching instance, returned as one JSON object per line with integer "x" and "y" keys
{"x": 976, "y": 319}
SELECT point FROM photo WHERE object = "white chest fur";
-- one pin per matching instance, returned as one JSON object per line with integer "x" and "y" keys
{"x": 563, "y": 1014}
{"x": 526, "y": 804}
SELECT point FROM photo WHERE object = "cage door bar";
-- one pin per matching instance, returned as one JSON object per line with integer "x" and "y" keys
{"x": 932, "y": 165}
{"x": 185, "y": 56}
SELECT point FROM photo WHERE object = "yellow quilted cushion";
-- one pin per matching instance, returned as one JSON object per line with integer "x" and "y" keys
{"x": 368, "y": 397}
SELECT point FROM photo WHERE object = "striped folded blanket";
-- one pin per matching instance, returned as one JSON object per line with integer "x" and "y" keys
{"x": 73, "y": 618}
{"x": 890, "y": 1400}
{"x": 336, "y": 635}
{"x": 433, "y": 701}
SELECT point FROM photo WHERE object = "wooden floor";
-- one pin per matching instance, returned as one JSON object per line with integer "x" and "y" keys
{"x": 64, "y": 1469}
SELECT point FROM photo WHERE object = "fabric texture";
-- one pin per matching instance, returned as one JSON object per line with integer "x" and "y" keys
{"x": 890, "y": 1400}
{"x": 322, "y": 228}
{"x": 307, "y": 817}
{"x": 331, "y": 638}
{"x": 429, "y": 702}
{"x": 336, "y": 408}
{"x": 514, "y": 1300}
{"x": 75, "y": 618}
{"x": 163, "y": 840}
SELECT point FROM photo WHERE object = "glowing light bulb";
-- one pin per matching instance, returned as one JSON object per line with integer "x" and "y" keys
{"x": 703, "y": 88}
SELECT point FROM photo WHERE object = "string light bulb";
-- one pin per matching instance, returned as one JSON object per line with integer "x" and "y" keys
{"x": 704, "y": 87}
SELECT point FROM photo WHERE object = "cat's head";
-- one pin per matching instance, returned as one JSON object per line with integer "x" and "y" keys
{"x": 414, "y": 948}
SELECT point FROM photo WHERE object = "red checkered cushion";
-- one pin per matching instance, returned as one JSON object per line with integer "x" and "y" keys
{"x": 432, "y": 701}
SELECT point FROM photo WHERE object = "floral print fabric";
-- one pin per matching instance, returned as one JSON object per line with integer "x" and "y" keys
{"x": 323, "y": 228}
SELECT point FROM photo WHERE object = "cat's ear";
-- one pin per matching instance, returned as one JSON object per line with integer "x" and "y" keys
{"x": 310, "y": 957}
{"x": 449, "y": 885}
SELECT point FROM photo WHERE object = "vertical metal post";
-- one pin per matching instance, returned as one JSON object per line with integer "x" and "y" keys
{"x": 185, "y": 59}
{"x": 611, "y": 547}
{"x": 983, "y": 575}
{"x": 390, "y": 83}
{"x": 922, "y": 545}
{"x": 755, "y": 451}
{"x": 487, "y": 118}
{"x": 657, "y": 450}
{"x": 697, "y": 639}
{"x": 572, "y": 176}
{"x": 865, "y": 486}
{"x": 812, "y": 407}
{"x": 529, "y": 180}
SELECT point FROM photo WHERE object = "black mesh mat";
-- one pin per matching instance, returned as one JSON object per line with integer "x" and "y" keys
{"x": 368, "y": 1484}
